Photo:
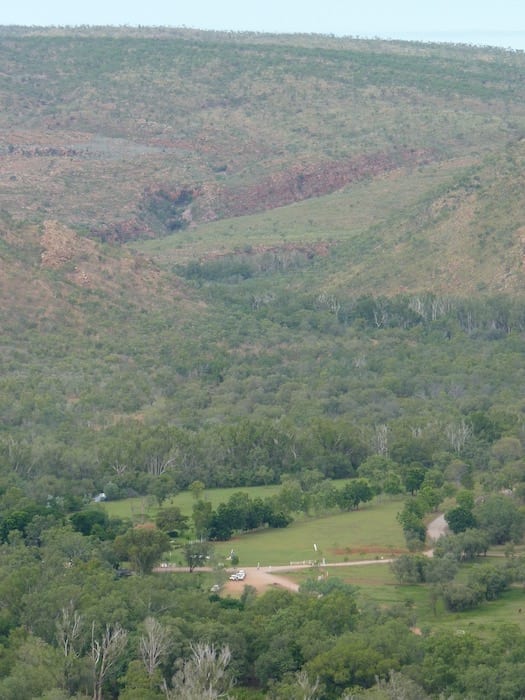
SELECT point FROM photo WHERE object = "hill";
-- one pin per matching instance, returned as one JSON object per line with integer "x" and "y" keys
{"x": 203, "y": 229}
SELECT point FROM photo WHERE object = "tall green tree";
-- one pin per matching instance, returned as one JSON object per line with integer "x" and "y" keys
{"x": 143, "y": 547}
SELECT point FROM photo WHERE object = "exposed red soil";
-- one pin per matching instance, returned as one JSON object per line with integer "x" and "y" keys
{"x": 300, "y": 182}
{"x": 211, "y": 201}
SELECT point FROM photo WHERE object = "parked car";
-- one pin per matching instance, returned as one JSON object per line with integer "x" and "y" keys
{"x": 238, "y": 575}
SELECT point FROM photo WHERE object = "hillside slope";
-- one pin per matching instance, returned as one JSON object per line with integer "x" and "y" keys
{"x": 138, "y": 134}
{"x": 201, "y": 228}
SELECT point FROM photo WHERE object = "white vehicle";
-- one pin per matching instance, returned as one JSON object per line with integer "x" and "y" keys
{"x": 238, "y": 575}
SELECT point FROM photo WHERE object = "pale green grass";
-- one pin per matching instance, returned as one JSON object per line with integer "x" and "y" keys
{"x": 364, "y": 534}
{"x": 146, "y": 507}
{"x": 367, "y": 533}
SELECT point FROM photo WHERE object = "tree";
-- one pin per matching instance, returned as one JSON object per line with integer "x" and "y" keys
{"x": 138, "y": 684}
{"x": 163, "y": 486}
{"x": 291, "y": 496}
{"x": 440, "y": 570}
{"x": 464, "y": 546}
{"x": 299, "y": 687}
{"x": 85, "y": 520}
{"x": 105, "y": 654}
{"x": 35, "y": 668}
{"x": 501, "y": 519}
{"x": 196, "y": 489}
{"x": 409, "y": 568}
{"x": 171, "y": 521}
{"x": 400, "y": 687}
{"x": 350, "y": 661}
{"x": 460, "y": 596}
{"x": 460, "y": 519}
{"x": 154, "y": 644}
{"x": 197, "y": 553}
{"x": 506, "y": 449}
{"x": 63, "y": 547}
{"x": 413, "y": 476}
{"x": 431, "y": 497}
{"x": 202, "y": 514}
{"x": 204, "y": 676}
{"x": 143, "y": 547}
{"x": 68, "y": 630}
{"x": 411, "y": 520}
{"x": 221, "y": 527}
{"x": 493, "y": 579}
{"x": 378, "y": 471}
{"x": 353, "y": 493}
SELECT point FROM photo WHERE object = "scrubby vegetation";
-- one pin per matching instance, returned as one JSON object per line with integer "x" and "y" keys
{"x": 240, "y": 261}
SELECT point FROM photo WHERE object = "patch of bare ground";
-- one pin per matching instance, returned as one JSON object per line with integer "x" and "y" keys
{"x": 260, "y": 579}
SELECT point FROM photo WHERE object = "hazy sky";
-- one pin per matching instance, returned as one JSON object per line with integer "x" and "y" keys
{"x": 385, "y": 18}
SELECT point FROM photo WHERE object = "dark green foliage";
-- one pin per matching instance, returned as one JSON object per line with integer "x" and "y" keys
{"x": 172, "y": 521}
{"x": 460, "y": 519}
{"x": 197, "y": 553}
{"x": 86, "y": 520}
{"x": 501, "y": 519}
{"x": 459, "y": 597}
{"x": 464, "y": 546}
{"x": 242, "y": 513}
{"x": 353, "y": 493}
{"x": 409, "y": 568}
{"x": 493, "y": 580}
{"x": 143, "y": 547}
{"x": 411, "y": 520}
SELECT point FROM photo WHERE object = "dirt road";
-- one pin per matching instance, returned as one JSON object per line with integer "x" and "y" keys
{"x": 264, "y": 577}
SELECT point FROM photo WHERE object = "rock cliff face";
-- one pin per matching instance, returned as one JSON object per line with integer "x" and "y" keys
{"x": 167, "y": 207}
{"x": 302, "y": 181}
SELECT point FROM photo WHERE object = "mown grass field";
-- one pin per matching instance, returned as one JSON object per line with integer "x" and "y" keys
{"x": 364, "y": 534}
{"x": 368, "y": 533}
{"x": 146, "y": 507}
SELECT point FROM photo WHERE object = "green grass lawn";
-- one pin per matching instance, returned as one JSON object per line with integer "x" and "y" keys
{"x": 364, "y": 534}
{"x": 367, "y": 533}
{"x": 146, "y": 507}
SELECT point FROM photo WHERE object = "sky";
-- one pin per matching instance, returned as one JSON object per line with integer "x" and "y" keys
{"x": 465, "y": 21}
